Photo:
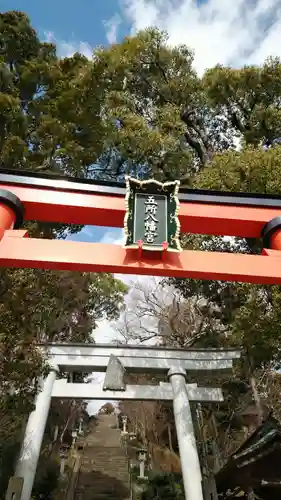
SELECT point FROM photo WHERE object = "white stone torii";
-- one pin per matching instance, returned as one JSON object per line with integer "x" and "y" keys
{"x": 115, "y": 360}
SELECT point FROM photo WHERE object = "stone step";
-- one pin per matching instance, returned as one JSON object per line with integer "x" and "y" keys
{"x": 100, "y": 485}
{"x": 99, "y": 456}
{"x": 106, "y": 459}
{"x": 104, "y": 473}
{"x": 97, "y": 489}
{"x": 94, "y": 454}
{"x": 96, "y": 461}
{"x": 109, "y": 471}
{"x": 107, "y": 485}
{"x": 107, "y": 482}
{"x": 103, "y": 460}
{"x": 95, "y": 473}
{"x": 91, "y": 495}
{"x": 100, "y": 468}
{"x": 98, "y": 496}
{"x": 91, "y": 462}
{"x": 95, "y": 492}
{"x": 121, "y": 478}
{"x": 114, "y": 456}
{"x": 106, "y": 451}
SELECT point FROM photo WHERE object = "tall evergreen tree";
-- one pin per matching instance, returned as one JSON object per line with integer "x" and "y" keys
{"x": 46, "y": 124}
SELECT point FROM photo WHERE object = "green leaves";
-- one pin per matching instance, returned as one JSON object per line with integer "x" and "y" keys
{"x": 249, "y": 97}
{"x": 251, "y": 170}
{"x": 146, "y": 86}
{"x": 164, "y": 486}
{"x": 45, "y": 104}
{"x": 18, "y": 39}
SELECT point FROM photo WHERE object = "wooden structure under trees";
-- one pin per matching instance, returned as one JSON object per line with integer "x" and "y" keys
{"x": 255, "y": 465}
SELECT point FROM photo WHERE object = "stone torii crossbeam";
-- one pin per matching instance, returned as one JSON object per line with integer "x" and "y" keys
{"x": 115, "y": 361}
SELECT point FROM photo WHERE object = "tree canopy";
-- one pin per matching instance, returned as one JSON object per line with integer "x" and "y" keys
{"x": 41, "y": 129}
{"x": 47, "y": 122}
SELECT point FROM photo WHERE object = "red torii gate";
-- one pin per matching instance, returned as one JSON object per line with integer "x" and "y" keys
{"x": 40, "y": 197}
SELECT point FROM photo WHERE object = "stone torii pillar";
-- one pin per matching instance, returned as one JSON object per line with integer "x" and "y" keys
{"x": 30, "y": 450}
{"x": 191, "y": 470}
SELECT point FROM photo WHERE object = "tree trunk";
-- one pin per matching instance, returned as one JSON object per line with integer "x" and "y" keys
{"x": 257, "y": 399}
{"x": 170, "y": 438}
{"x": 251, "y": 495}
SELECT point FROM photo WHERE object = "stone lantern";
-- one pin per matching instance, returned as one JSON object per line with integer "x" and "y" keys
{"x": 64, "y": 449}
{"x": 132, "y": 436}
{"x": 80, "y": 429}
{"x": 74, "y": 435}
{"x": 124, "y": 423}
{"x": 142, "y": 456}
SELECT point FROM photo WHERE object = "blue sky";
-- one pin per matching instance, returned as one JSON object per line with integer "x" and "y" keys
{"x": 220, "y": 31}
{"x": 70, "y": 20}
{"x": 95, "y": 234}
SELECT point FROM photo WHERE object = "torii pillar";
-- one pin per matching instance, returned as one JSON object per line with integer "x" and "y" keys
{"x": 191, "y": 470}
{"x": 31, "y": 446}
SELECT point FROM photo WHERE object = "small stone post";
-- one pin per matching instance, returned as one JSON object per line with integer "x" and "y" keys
{"x": 142, "y": 453}
{"x": 124, "y": 422}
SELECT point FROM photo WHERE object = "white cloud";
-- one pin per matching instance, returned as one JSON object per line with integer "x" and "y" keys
{"x": 111, "y": 28}
{"x": 106, "y": 332}
{"x": 67, "y": 49}
{"x": 94, "y": 405}
{"x": 112, "y": 238}
{"x": 220, "y": 31}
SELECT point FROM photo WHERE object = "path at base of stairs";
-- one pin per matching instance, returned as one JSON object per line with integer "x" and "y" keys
{"x": 104, "y": 468}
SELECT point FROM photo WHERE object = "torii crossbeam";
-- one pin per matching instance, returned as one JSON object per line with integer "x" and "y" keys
{"x": 56, "y": 199}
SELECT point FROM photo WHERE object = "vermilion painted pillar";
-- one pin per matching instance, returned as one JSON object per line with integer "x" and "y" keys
{"x": 271, "y": 234}
{"x": 11, "y": 211}
{"x": 276, "y": 240}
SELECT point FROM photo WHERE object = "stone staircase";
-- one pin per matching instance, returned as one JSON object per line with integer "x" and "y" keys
{"x": 104, "y": 466}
